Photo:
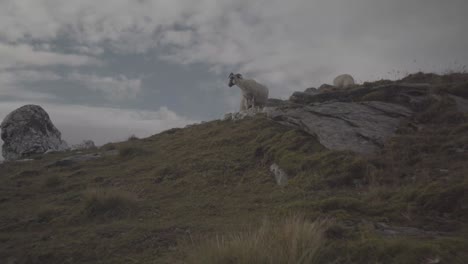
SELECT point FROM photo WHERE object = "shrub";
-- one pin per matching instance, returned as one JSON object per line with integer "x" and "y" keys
{"x": 133, "y": 138}
{"x": 108, "y": 146}
{"x": 130, "y": 151}
{"x": 294, "y": 240}
{"x": 108, "y": 203}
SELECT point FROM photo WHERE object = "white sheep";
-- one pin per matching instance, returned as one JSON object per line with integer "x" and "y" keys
{"x": 343, "y": 81}
{"x": 254, "y": 94}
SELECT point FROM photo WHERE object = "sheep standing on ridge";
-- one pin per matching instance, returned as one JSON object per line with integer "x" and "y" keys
{"x": 343, "y": 81}
{"x": 254, "y": 94}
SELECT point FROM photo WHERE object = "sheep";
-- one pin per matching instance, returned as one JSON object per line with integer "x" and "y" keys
{"x": 254, "y": 94}
{"x": 343, "y": 81}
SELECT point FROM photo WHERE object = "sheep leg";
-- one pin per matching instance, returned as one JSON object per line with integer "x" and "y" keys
{"x": 247, "y": 102}
{"x": 243, "y": 105}
{"x": 251, "y": 102}
{"x": 254, "y": 104}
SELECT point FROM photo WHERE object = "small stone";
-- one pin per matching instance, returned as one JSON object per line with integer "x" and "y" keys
{"x": 85, "y": 144}
{"x": 460, "y": 150}
{"x": 280, "y": 176}
{"x": 243, "y": 114}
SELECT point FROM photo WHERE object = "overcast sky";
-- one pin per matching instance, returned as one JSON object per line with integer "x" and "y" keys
{"x": 107, "y": 69}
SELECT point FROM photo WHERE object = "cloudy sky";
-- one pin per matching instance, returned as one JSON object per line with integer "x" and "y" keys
{"x": 111, "y": 68}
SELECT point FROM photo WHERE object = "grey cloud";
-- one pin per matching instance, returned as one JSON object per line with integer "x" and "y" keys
{"x": 21, "y": 55}
{"x": 12, "y": 84}
{"x": 115, "y": 88}
{"x": 299, "y": 42}
{"x": 15, "y": 83}
{"x": 94, "y": 50}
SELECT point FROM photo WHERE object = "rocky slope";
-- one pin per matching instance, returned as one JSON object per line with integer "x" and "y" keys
{"x": 362, "y": 118}
{"x": 162, "y": 198}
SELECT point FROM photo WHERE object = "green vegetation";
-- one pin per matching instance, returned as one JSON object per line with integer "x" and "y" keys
{"x": 201, "y": 194}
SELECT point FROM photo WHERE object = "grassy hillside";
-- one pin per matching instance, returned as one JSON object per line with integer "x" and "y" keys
{"x": 204, "y": 194}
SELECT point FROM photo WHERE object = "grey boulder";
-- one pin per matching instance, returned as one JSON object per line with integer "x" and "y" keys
{"x": 28, "y": 130}
{"x": 361, "y": 127}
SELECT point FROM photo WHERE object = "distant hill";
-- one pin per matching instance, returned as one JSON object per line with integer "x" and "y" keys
{"x": 205, "y": 193}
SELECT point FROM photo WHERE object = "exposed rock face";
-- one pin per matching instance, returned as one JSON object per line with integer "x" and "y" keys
{"x": 359, "y": 127}
{"x": 461, "y": 103}
{"x": 311, "y": 91}
{"x": 360, "y": 118}
{"x": 86, "y": 144}
{"x": 29, "y": 130}
{"x": 243, "y": 114}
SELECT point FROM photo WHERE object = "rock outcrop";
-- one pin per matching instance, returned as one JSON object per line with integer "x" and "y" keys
{"x": 359, "y": 127}
{"x": 86, "y": 144}
{"x": 28, "y": 130}
{"x": 362, "y": 118}
{"x": 251, "y": 112}
{"x": 461, "y": 103}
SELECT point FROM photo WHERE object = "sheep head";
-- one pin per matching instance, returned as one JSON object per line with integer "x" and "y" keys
{"x": 233, "y": 77}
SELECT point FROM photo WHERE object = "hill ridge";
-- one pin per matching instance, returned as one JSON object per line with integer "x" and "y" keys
{"x": 162, "y": 198}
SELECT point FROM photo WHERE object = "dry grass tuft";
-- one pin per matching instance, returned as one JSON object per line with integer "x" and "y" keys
{"x": 109, "y": 203}
{"x": 294, "y": 240}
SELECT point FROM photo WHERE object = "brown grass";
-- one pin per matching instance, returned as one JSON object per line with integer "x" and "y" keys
{"x": 108, "y": 203}
{"x": 294, "y": 240}
{"x": 213, "y": 178}
{"x": 52, "y": 181}
{"x": 130, "y": 151}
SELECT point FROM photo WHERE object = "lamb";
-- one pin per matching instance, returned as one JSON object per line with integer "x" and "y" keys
{"x": 254, "y": 94}
{"x": 343, "y": 81}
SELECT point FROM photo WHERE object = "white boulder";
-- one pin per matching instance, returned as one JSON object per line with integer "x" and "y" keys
{"x": 29, "y": 130}
{"x": 343, "y": 81}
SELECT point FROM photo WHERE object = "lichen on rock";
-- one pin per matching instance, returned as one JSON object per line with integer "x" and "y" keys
{"x": 28, "y": 130}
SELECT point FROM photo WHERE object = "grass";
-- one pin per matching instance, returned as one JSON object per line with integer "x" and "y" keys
{"x": 212, "y": 181}
{"x": 130, "y": 151}
{"x": 293, "y": 240}
{"x": 110, "y": 203}
{"x": 52, "y": 181}
{"x": 47, "y": 214}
